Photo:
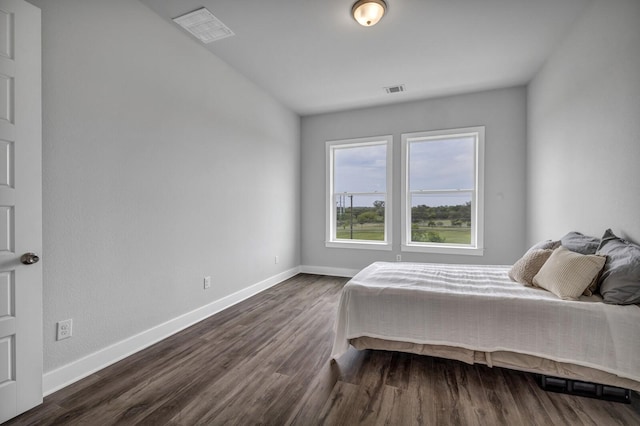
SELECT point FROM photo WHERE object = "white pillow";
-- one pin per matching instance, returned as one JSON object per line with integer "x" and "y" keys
{"x": 567, "y": 274}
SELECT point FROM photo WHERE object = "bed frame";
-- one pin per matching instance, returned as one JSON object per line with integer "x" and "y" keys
{"x": 546, "y": 368}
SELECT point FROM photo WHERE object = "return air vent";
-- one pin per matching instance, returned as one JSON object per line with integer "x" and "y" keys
{"x": 395, "y": 89}
{"x": 203, "y": 25}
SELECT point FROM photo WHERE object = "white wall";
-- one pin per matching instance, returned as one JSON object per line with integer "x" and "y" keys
{"x": 503, "y": 112}
{"x": 161, "y": 165}
{"x": 583, "y": 156}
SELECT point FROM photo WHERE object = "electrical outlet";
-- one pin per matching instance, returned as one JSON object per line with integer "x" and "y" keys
{"x": 398, "y": 258}
{"x": 207, "y": 282}
{"x": 64, "y": 329}
{"x": 276, "y": 260}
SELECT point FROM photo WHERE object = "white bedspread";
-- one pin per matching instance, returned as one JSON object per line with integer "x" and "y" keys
{"x": 479, "y": 308}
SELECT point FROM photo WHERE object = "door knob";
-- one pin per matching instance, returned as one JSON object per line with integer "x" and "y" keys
{"x": 29, "y": 258}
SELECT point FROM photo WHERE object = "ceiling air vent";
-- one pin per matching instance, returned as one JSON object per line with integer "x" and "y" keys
{"x": 395, "y": 89}
{"x": 203, "y": 25}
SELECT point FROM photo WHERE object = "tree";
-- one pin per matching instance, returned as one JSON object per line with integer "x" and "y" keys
{"x": 434, "y": 237}
{"x": 419, "y": 235}
{"x": 367, "y": 217}
{"x": 379, "y": 206}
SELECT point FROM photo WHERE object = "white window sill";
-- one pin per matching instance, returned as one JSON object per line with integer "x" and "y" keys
{"x": 443, "y": 249}
{"x": 362, "y": 245}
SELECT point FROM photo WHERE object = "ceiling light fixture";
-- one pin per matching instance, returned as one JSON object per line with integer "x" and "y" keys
{"x": 368, "y": 12}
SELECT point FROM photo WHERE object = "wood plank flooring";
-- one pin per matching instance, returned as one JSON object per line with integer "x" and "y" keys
{"x": 266, "y": 361}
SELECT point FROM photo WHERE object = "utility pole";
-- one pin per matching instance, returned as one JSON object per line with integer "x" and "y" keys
{"x": 351, "y": 218}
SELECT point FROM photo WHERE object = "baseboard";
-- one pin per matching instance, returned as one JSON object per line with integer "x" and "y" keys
{"x": 59, "y": 378}
{"x": 326, "y": 270}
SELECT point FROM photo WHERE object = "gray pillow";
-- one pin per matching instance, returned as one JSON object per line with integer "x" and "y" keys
{"x": 545, "y": 245}
{"x": 580, "y": 243}
{"x": 620, "y": 279}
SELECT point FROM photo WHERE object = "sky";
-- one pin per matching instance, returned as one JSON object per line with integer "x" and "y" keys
{"x": 434, "y": 164}
{"x": 360, "y": 169}
{"x": 441, "y": 164}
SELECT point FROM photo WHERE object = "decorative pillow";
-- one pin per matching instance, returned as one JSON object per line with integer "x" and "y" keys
{"x": 580, "y": 243}
{"x": 528, "y": 266}
{"x": 567, "y": 274}
{"x": 620, "y": 279}
{"x": 545, "y": 245}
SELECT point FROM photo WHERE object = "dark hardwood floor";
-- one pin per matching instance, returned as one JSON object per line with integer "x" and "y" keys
{"x": 266, "y": 361}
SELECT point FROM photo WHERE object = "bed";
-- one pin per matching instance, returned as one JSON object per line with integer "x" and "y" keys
{"x": 477, "y": 314}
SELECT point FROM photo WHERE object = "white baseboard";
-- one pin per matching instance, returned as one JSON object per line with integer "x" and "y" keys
{"x": 326, "y": 270}
{"x": 57, "y": 379}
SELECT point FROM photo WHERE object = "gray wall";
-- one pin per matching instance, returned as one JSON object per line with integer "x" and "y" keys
{"x": 503, "y": 112}
{"x": 583, "y": 156}
{"x": 161, "y": 165}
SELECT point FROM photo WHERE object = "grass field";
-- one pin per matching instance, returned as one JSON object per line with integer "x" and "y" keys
{"x": 453, "y": 235}
{"x": 367, "y": 231}
{"x": 375, "y": 232}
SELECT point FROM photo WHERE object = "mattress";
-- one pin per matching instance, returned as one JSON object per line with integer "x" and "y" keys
{"x": 478, "y": 308}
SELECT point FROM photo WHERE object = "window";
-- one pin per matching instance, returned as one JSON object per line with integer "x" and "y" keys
{"x": 358, "y": 196}
{"x": 442, "y": 191}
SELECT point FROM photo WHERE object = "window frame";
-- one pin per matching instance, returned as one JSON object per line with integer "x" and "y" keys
{"x": 476, "y": 248}
{"x": 330, "y": 228}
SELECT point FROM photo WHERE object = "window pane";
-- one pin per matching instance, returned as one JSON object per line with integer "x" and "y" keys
{"x": 442, "y": 164}
{"x": 360, "y": 169}
{"x": 441, "y": 218}
{"x": 360, "y": 217}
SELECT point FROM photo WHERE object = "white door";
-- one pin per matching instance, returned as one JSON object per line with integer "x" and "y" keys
{"x": 20, "y": 208}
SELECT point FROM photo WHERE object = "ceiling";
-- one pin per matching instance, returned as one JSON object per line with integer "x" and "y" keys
{"x": 314, "y": 57}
